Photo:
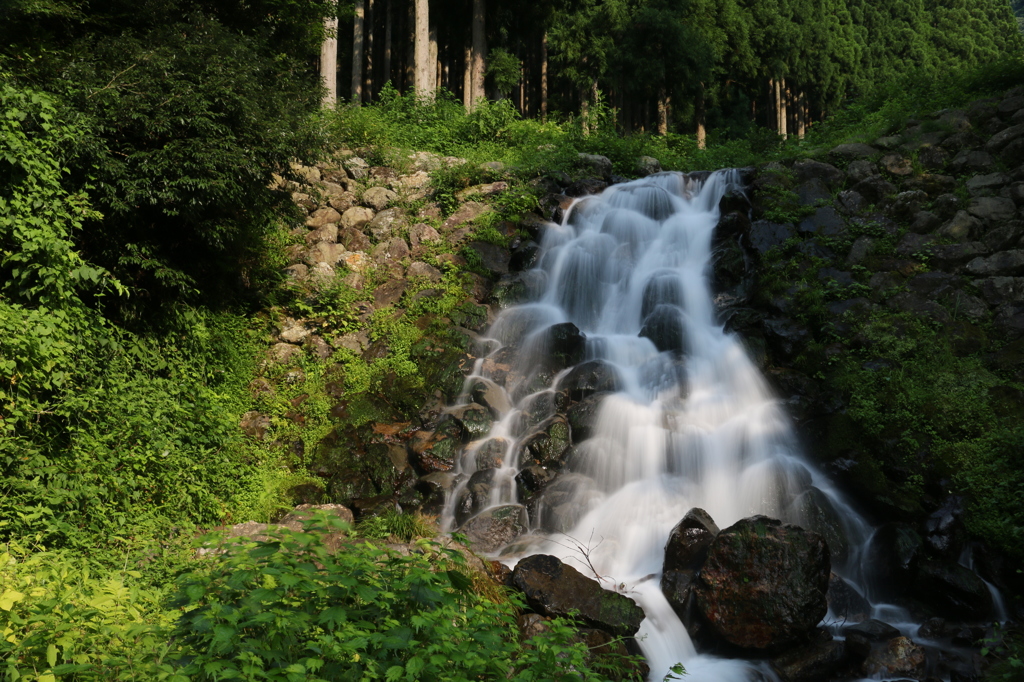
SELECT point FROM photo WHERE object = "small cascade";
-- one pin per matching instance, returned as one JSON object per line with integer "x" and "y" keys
{"x": 668, "y": 411}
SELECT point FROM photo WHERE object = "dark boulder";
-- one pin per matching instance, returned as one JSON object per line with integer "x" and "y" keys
{"x": 892, "y": 556}
{"x": 952, "y": 590}
{"x": 765, "y": 235}
{"x": 591, "y": 377}
{"x": 491, "y": 454}
{"x": 763, "y": 584}
{"x": 487, "y": 393}
{"x": 862, "y": 636}
{"x": 945, "y": 533}
{"x": 581, "y": 416}
{"x": 548, "y": 447}
{"x": 812, "y": 662}
{"x": 476, "y": 419}
{"x": 898, "y": 658}
{"x": 475, "y": 496}
{"x": 816, "y": 512}
{"x": 844, "y": 602}
{"x": 662, "y": 287}
{"x": 555, "y": 589}
{"x": 664, "y": 326}
{"x": 807, "y": 169}
{"x": 435, "y": 451}
{"x": 685, "y": 552}
{"x": 566, "y": 345}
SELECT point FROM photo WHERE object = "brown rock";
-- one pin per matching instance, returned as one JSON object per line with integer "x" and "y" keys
{"x": 900, "y": 657}
{"x": 255, "y": 424}
{"x": 466, "y": 213}
{"x": 421, "y": 232}
{"x": 353, "y": 239}
{"x": 378, "y": 198}
{"x": 322, "y": 216}
{"x": 356, "y": 217}
{"x": 389, "y": 293}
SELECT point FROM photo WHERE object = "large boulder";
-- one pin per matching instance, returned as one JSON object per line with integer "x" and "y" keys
{"x": 763, "y": 584}
{"x": 685, "y": 552}
{"x": 491, "y": 530}
{"x": 555, "y": 589}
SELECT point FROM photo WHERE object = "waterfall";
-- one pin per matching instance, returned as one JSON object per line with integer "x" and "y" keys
{"x": 690, "y": 421}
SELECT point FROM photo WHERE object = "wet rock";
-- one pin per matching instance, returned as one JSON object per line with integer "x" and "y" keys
{"x": 763, "y": 584}
{"x": 434, "y": 489}
{"x": 912, "y": 244}
{"x": 487, "y": 393}
{"x": 892, "y": 556}
{"x": 685, "y": 552}
{"x": 476, "y": 419}
{"x": 435, "y": 451}
{"x": 661, "y": 287}
{"x": 952, "y": 590}
{"x": 785, "y": 336}
{"x": 898, "y": 657}
{"x": 491, "y": 454}
{"x": 492, "y": 529}
{"x": 766, "y": 235}
{"x": 1004, "y": 235}
{"x": 548, "y": 447}
{"x": 532, "y": 479}
{"x": 817, "y": 513}
{"x": 665, "y": 328}
{"x": 591, "y": 377}
{"x": 861, "y": 637}
{"x": 945, "y": 533}
{"x": 420, "y": 270}
{"x": 566, "y": 345}
{"x": 586, "y": 187}
{"x": 475, "y": 496}
{"x": 812, "y": 662}
{"x": 581, "y": 416}
{"x": 555, "y": 589}
{"x": 845, "y": 602}
{"x": 524, "y": 256}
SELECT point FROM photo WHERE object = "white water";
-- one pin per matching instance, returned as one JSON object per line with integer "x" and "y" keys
{"x": 703, "y": 430}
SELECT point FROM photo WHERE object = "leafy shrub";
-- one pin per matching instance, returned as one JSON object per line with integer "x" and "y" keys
{"x": 289, "y": 609}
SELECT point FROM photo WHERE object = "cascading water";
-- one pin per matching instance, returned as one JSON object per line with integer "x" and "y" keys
{"x": 691, "y": 425}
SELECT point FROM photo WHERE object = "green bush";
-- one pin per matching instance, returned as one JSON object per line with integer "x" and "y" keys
{"x": 290, "y": 610}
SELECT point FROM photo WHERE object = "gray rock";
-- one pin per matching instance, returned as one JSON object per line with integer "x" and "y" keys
{"x": 421, "y": 232}
{"x": 353, "y": 239}
{"x": 303, "y": 200}
{"x": 910, "y": 302}
{"x": 356, "y": 218}
{"x": 378, "y": 198}
{"x": 813, "y": 191}
{"x": 1004, "y": 235}
{"x": 912, "y": 244}
{"x": 953, "y": 255}
{"x": 931, "y": 183}
{"x": 468, "y": 212}
{"x": 1002, "y": 263}
{"x": 1009, "y": 319}
{"x": 492, "y": 529}
{"x": 420, "y": 270}
{"x": 1017, "y": 193}
{"x": 389, "y": 293}
{"x": 297, "y": 272}
{"x": 888, "y": 142}
{"x": 283, "y": 352}
{"x": 386, "y": 223}
{"x": 860, "y": 250}
{"x": 599, "y": 165}
{"x": 328, "y": 233}
{"x": 825, "y": 221}
{"x": 897, "y": 164}
{"x": 924, "y": 222}
{"x": 293, "y": 331}
{"x": 394, "y": 249}
{"x": 1001, "y": 139}
{"x": 969, "y": 160}
{"x": 357, "y": 168}
{"x": 322, "y": 216}
{"x": 908, "y": 203}
{"x": 1000, "y": 290}
{"x": 493, "y": 257}
{"x": 986, "y": 184}
{"x": 946, "y": 205}
{"x": 875, "y": 189}
{"x": 862, "y": 169}
{"x": 307, "y": 174}
{"x": 961, "y": 227}
{"x": 647, "y": 165}
{"x": 765, "y": 235}
{"x": 992, "y": 209}
{"x": 933, "y": 158}
{"x": 852, "y": 151}
{"x": 850, "y": 202}
{"x": 324, "y": 252}
{"x": 809, "y": 169}
{"x": 1010, "y": 106}
{"x": 811, "y": 662}
{"x": 845, "y": 602}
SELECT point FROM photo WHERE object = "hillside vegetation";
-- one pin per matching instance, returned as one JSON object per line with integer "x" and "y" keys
{"x": 142, "y": 256}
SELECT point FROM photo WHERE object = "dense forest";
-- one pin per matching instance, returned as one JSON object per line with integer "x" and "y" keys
{"x": 680, "y": 65}
{"x": 142, "y": 242}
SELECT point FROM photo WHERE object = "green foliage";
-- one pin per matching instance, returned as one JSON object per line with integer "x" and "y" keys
{"x": 289, "y": 609}
{"x": 61, "y": 621}
{"x": 504, "y": 70}
{"x": 404, "y": 527}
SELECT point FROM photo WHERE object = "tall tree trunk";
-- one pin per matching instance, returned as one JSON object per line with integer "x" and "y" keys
{"x": 585, "y": 114}
{"x": 368, "y": 89}
{"x": 664, "y": 103}
{"x": 802, "y": 129}
{"x": 783, "y": 111}
{"x": 435, "y": 64}
{"x": 479, "y": 63}
{"x": 544, "y": 78}
{"x": 388, "y": 30}
{"x": 699, "y": 114}
{"x": 357, "y": 53}
{"x": 423, "y": 67}
{"x": 329, "y": 62}
{"x": 467, "y": 79}
{"x": 772, "y": 112}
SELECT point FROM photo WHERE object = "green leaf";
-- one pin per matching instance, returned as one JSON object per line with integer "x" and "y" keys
{"x": 394, "y": 673}
{"x": 9, "y": 598}
{"x": 51, "y": 655}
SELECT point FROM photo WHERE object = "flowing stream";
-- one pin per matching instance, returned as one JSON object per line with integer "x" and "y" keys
{"x": 696, "y": 426}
